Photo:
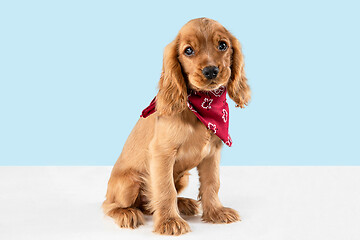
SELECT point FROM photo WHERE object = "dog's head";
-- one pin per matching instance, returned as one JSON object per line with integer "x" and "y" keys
{"x": 203, "y": 57}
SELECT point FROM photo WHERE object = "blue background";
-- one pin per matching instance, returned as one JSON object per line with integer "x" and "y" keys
{"x": 75, "y": 76}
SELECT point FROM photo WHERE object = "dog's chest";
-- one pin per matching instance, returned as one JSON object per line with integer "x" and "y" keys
{"x": 198, "y": 145}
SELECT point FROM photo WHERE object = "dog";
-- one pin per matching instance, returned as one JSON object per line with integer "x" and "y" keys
{"x": 170, "y": 139}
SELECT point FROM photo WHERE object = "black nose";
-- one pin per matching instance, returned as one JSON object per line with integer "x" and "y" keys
{"x": 210, "y": 72}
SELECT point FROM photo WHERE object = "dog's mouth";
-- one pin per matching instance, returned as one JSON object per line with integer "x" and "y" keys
{"x": 213, "y": 85}
{"x": 198, "y": 82}
{"x": 209, "y": 86}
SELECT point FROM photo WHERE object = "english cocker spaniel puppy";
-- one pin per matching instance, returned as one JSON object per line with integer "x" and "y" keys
{"x": 184, "y": 127}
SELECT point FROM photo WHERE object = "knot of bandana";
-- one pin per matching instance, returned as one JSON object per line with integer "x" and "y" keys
{"x": 210, "y": 108}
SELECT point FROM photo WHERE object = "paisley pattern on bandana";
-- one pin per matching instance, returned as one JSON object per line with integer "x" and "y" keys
{"x": 229, "y": 142}
{"x": 212, "y": 127}
{"x": 218, "y": 92}
{"x": 207, "y": 103}
{"x": 225, "y": 115}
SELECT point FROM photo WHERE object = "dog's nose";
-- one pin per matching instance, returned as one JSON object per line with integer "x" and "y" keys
{"x": 210, "y": 72}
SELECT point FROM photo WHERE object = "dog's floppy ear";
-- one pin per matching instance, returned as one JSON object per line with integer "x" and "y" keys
{"x": 237, "y": 88}
{"x": 172, "y": 96}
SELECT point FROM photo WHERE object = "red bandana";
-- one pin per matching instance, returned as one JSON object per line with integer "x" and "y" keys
{"x": 210, "y": 108}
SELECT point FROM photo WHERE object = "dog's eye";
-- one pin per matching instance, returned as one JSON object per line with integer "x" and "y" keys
{"x": 189, "y": 51}
{"x": 222, "y": 46}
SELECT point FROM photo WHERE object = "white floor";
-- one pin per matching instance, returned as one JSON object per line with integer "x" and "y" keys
{"x": 280, "y": 203}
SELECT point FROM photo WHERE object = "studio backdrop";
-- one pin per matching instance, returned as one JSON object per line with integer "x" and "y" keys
{"x": 75, "y": 76}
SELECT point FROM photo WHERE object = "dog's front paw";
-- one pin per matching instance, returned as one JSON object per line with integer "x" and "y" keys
{"x": 220, "y": 215}
{"x": 172, "y": 226}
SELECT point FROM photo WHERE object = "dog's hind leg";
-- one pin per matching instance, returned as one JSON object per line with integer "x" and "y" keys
{"x": 186, "y": 206}
{"x": 123, "y": 190}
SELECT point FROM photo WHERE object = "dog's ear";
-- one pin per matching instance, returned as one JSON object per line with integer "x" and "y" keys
{"x": 237, "y": 88}
{"x": 172, "y": 96}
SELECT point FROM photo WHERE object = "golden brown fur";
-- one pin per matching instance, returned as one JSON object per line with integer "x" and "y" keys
{"x": 153, "y": 166}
